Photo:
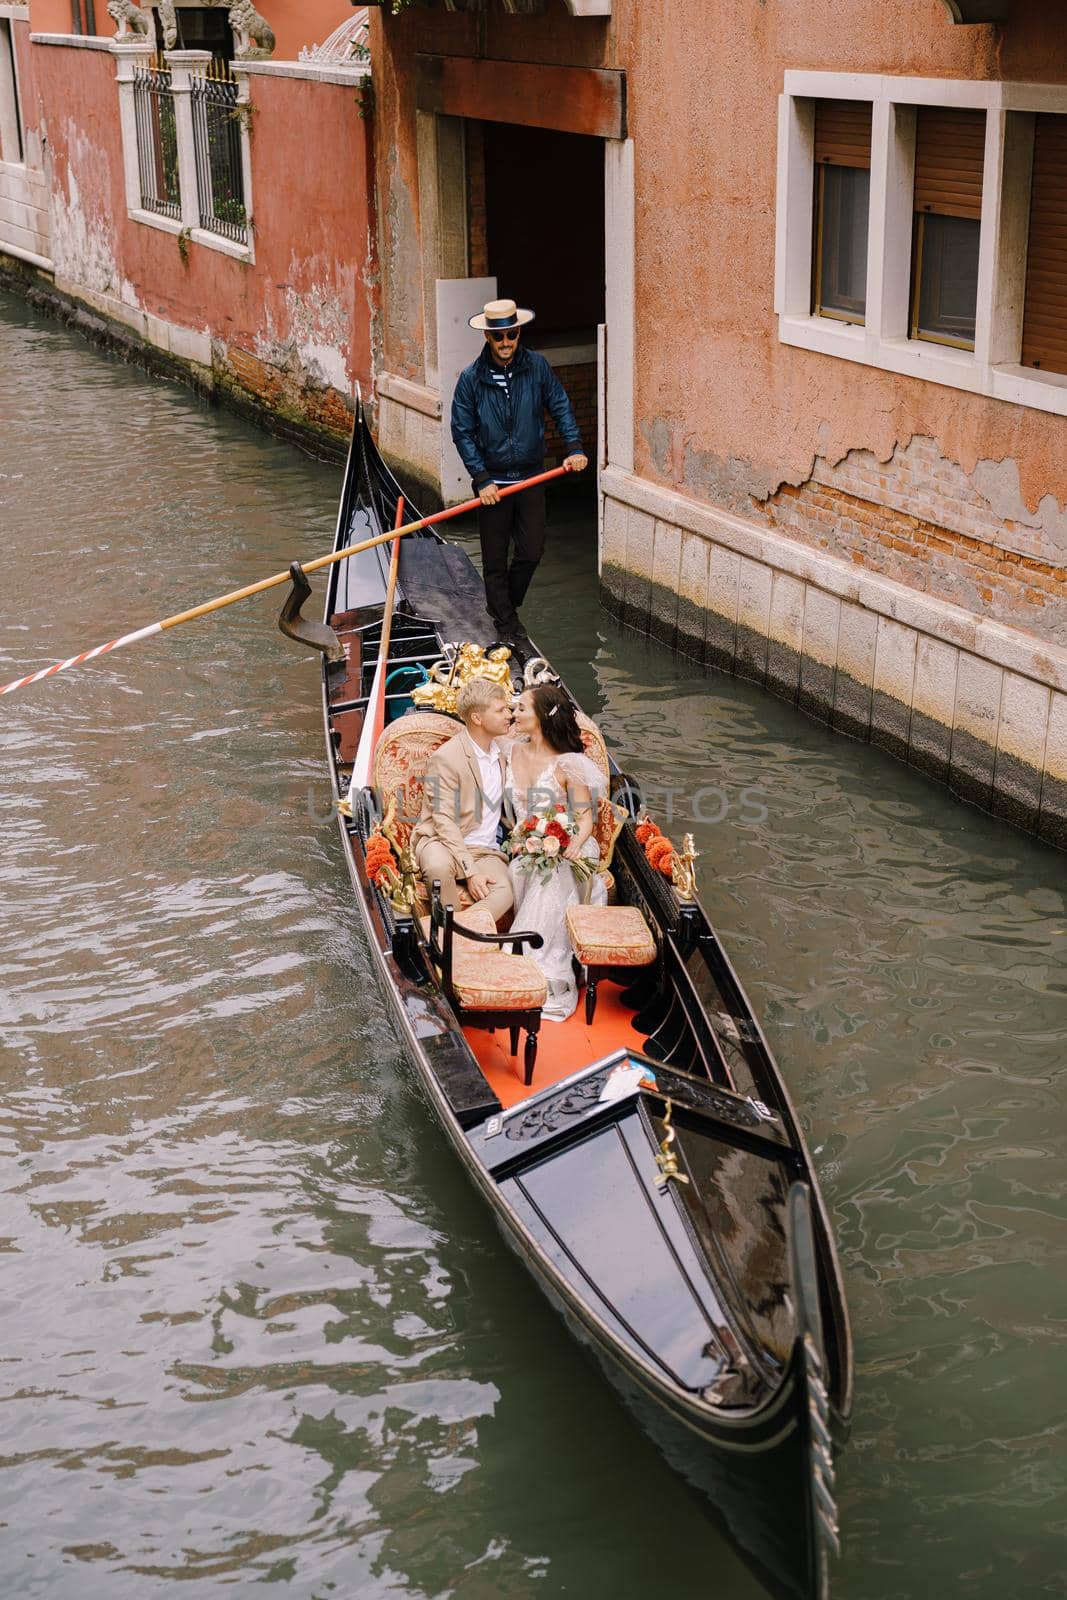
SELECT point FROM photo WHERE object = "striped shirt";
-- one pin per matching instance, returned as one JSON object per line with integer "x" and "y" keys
{"x": 501, "y": 376}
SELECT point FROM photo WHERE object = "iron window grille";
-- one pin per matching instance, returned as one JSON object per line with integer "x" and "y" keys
{"x": 157, "y": 142}
{"x": 219, "y": 158}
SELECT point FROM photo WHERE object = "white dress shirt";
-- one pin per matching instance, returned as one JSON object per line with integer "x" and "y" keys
{"x": 492, "y": 786}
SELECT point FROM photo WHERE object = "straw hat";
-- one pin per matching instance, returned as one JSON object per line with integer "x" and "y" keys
{"x": 500, "y": 314}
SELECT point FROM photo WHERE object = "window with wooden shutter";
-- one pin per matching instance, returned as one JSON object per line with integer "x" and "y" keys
{"x": 949, "y": 158}
{"x": 1045, "y": 307}
{"x": 842, "y": 207}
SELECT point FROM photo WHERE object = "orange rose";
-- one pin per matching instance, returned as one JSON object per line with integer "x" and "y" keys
{"x": 657, "y": 851}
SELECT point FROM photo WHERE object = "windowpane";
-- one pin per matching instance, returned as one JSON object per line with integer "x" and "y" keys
{"x": 844, "y": 203}
{"x": 946, "y": 269}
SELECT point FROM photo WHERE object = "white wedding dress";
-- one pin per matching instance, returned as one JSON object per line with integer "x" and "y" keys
{"x": 541, "y": 902}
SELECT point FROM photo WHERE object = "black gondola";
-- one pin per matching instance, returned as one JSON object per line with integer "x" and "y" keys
{"x": 679, "y": 1229}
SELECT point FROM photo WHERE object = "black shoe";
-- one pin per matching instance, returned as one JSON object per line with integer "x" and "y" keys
{"x": 521, "y": 649}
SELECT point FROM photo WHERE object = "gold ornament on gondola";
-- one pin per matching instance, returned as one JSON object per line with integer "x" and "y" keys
{"x": 683, "y": 870}
{"x": 398, "y": 875}
{"x": 667, "y": 1161}
{"x": 447, "y": 678}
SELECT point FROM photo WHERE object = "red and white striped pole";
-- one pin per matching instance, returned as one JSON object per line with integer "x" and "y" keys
{"x": 278, "y": 578}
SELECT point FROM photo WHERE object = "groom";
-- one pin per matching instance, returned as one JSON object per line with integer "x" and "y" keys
{"x": 455, "y": 838}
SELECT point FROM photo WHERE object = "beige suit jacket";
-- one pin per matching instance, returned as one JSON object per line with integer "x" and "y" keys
{"x": 452, "y": 804}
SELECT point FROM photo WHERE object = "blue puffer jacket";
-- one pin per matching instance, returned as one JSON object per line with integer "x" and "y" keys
{"x": 501, "y": 439}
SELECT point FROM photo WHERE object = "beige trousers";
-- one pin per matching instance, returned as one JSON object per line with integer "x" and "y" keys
{"x": 435, "y": 862}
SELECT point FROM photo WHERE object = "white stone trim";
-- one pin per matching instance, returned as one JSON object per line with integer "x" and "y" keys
{"x": 414, "y": 396}
{"x": 619, "y": 299}
{"x": 45, "y": 263}
{"x": 74, "y": 41}
{"x": 225, "y": 246}
{"x": 977, "y": 94}
{"x": 15, "y": 13}
{"x": 993, "y": 367}
{"x": 153, "y": 219}
{"x": 183, "y": 64}
{"x": 589, "y": 8}
{"x": 12, "y": 126}
{"x": 187, "y": 344}
{"x": 337, "y": 72}
{"x": 127, "y": 59}
{"x": 244, "y": 98}
{"x": 1031, "y": 657}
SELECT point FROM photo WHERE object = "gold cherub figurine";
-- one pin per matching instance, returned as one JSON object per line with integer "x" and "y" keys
{"x": 441, "y": 692}
{"x": 683, "y": 873}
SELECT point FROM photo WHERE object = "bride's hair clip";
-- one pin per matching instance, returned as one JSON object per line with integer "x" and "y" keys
{"x": 553, "y": 710}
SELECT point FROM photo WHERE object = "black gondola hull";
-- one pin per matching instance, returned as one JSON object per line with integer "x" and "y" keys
{"x": 754, "y": 1463}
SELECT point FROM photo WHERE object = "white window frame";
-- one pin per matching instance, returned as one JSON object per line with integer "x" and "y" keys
{"x": 993, "y": 367}
{"x": 183, "y": 63}
{"x": 12, "y": 120}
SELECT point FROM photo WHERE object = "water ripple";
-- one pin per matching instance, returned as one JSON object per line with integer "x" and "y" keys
{"x": 256, "y": 1328}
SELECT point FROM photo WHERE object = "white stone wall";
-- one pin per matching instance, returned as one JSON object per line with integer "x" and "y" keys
{"x": 969, "y": 701}
{"x": 24, "y": 226}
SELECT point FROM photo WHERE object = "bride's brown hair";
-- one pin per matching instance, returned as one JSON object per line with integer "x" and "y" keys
{"x": 555, "y": 715}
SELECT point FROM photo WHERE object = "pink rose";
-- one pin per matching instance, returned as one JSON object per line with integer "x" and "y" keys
{"x": 551, "y": 846}
{"x": 534, "y": 845}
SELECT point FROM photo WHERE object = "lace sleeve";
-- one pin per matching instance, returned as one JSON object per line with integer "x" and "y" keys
{"x": 577, "y": 771}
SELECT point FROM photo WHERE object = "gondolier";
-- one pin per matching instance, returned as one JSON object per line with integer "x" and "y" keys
{"x": 498, "y": 427}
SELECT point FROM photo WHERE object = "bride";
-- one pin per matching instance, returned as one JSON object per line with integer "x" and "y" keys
{"x": 546, "y": 764}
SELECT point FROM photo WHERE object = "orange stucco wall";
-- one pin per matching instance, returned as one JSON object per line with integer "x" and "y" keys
{"x": 724, "y": 410}
{"x": 303, "y": 310}
{"x": 295, "y": 22}
{"x": 868, "y": 465}
{"x": 53, "y": 16}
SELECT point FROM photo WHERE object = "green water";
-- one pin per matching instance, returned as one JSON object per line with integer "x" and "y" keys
{"x": 255, "y": 1326}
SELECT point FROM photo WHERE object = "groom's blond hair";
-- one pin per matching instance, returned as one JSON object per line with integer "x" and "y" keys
{"x": 478, "y": 694}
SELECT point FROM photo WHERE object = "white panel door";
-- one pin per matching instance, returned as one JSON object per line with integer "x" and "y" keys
{"x": 457, "y": 346}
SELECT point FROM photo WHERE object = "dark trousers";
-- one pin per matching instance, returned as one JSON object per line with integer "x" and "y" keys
{"x": 520, "y": 521}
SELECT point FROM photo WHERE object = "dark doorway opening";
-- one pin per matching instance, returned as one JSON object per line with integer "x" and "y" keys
{"x": 537, "y": 225}
{"x": 200, "y": 29}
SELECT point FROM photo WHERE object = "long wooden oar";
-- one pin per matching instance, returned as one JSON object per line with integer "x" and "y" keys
{"x": 374, "y": 716}
{"x": 246, "y": 593}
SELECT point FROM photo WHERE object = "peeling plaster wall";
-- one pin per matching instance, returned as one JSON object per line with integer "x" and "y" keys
{"x": 727, "y": 414}
{"x": 289, "y": 334}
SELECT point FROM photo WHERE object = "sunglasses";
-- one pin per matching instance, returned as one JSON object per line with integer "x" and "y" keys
{"x": 500, "y": 335}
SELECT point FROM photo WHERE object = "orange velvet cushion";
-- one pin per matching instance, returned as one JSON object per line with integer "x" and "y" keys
{"x": 610, "y": 936}
{"x": 492, "y": 982}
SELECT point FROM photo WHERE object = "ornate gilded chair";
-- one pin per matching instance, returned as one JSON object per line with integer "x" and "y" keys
{"x": 605, "y": 938}
{"x": 399, "y": 771}
{"x": 486, "y": 986}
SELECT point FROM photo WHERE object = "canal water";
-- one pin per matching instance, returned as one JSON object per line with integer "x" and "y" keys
{"x": 254, "y": 1326}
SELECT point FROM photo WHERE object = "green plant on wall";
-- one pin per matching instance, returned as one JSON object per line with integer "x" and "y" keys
{"x": 183, "y": 245}
{"x": 244, "y": 112}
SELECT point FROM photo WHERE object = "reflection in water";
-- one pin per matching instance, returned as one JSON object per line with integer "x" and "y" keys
{"x": 256, "y": 1326}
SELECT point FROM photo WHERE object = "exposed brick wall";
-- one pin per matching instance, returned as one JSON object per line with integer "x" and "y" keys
{"x": 244, "y": 375}
{"x": 920, "y": 520}
{"x": 477, "y": 228}
{"x": 580, "y": 384}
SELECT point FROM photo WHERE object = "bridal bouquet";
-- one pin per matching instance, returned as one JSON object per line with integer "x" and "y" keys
{"x": 538, "y": 843}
